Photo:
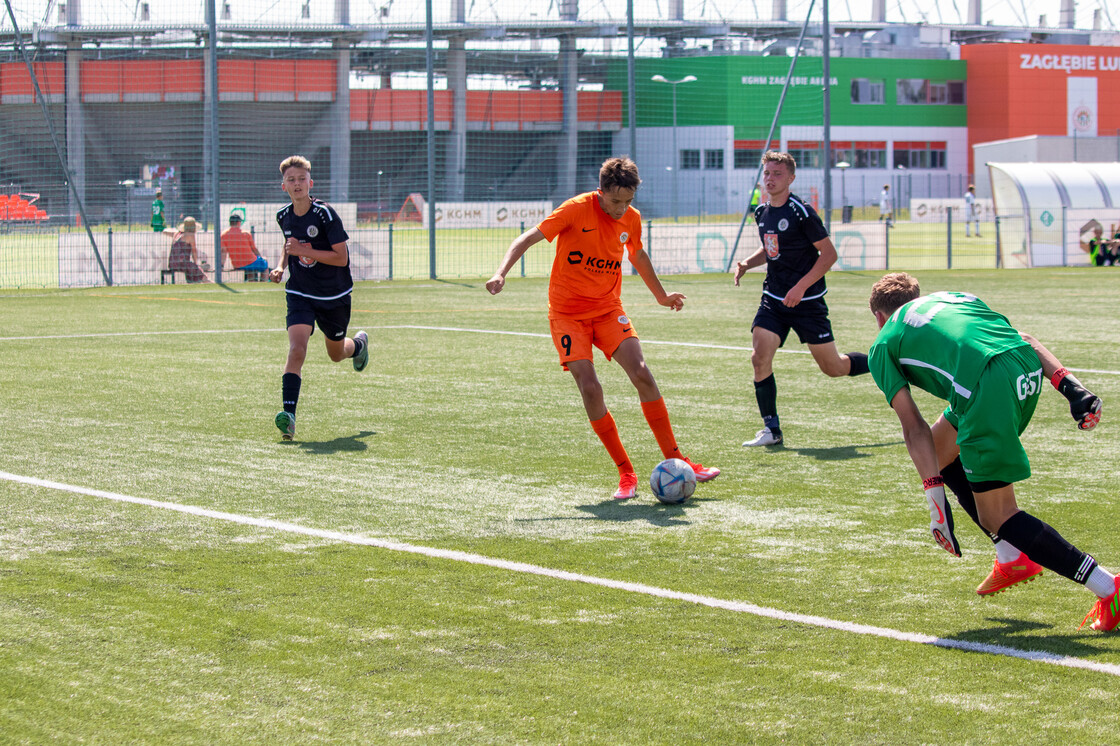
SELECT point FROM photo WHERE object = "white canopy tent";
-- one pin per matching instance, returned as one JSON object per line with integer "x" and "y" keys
{"x": 1046, "y": 211}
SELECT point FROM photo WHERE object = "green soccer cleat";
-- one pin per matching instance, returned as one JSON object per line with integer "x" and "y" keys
{"x": 361, "y": 356}
{"x": 286, "y": 421}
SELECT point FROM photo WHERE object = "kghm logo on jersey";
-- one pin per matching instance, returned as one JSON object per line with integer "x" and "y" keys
{"x": 312, "y": 231}
{"x": 783, "y": 224}
{"x": 770, "y": 243}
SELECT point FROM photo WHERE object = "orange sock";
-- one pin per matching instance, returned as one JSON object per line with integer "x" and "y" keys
{"x": 607, "y": 431}
{"x": 657, "y": 415}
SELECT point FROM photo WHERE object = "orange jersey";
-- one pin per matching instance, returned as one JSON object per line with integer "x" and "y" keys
{"x": 240, "y": 246}
{"x": 586, "y": 278}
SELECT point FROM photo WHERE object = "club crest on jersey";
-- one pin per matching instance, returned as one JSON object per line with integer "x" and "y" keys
{"x": 623, "y": 237}
{"x": 783, "y": 224}
{"x": 770, "y": 243}
{"x": 623, "y": 320}
{"x": 312, "y": 231}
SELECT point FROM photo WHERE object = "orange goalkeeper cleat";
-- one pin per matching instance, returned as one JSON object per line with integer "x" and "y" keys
{"x": 1006, "y": 574}
{"x": 1105, "y": 612}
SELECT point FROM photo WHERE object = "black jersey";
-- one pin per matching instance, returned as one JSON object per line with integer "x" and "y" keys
{"x": 322, "y": 228}
{"x": 788, "y": 234}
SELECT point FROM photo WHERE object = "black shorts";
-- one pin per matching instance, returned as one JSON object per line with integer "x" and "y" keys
{"x": 809, "y": 319}
{"x": 332, "y": 316}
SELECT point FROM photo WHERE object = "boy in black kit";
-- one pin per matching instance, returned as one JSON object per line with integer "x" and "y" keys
{"x": 319, "y": 283}
{"x": 797, "y": 252}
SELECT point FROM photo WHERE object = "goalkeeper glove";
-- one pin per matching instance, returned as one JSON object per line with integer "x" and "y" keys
{"x": 1083, "y": 404}
{"x": 941, "y": 517}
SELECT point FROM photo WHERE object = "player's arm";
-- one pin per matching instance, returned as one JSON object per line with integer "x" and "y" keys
{"x": 516, "y": 250}
{"x": 337, "y": 256}
{"x": 919, "y": 444}
{"x": 277, "y": 273}
{"x": 757, "y": 259}
{"x": 824, "y": 262}
{"x": 641, "y": 262}
{"x": 1084, "y": 406}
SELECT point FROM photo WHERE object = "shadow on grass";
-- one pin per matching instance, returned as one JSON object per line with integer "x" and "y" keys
{"x": 839, "y": 453}
{"x": 626, "y": 511}
{"x": 1013, "y": 633}
{"x": 471, "y": 285}
{"x": 347, "y": 443}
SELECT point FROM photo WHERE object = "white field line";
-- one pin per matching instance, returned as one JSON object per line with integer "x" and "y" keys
{"x": 743, "y": 607}
{"x": 702, "y": 345}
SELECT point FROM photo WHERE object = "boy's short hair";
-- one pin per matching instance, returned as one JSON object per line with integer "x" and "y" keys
{"x": 619, "y": 172}
{"x": 893, "y": 291}
{"x": 774, "y": 156}
{"x": 295, "y": 161}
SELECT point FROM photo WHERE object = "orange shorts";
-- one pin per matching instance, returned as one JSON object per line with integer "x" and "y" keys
{"x": 574, "y": 337}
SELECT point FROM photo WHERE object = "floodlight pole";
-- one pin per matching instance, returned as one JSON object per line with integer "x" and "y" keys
{"x": 676, "y": 153}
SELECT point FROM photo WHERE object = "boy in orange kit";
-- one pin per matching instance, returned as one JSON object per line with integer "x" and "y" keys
{"x": 584, "y": 307}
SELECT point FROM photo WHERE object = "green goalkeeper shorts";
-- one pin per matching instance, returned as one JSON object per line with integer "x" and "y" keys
{"x": 990, "y": 421}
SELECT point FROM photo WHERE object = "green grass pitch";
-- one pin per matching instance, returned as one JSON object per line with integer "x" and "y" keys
{"x": 123, "y": 622}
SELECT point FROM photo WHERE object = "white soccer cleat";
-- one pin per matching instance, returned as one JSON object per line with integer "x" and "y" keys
{"x": 764, "y": 437}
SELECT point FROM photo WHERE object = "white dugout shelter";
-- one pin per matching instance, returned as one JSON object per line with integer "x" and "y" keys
{"x": 1047, "y": 211}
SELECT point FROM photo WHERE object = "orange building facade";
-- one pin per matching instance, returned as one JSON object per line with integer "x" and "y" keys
{"x": 1017, "y": 90}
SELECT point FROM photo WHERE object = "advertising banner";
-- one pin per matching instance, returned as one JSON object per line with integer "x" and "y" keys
{"x": 489, "y": 214}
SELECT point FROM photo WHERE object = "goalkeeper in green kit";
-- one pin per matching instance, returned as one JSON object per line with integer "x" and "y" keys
{"x": 953, "y": 346}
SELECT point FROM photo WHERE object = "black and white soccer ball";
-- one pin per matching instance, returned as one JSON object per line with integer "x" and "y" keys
{"x": 673, "y": 481}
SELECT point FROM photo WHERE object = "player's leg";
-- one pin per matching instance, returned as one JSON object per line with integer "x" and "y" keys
{"x": 1011, "y": 566}
{"x": 1046, "y": 546}
{"x": 834, "y": 364}
{"x": 572, "y": 338}
{"x": 299, "y": 334}
{"x": 629, "y": 356}
{"x": 333, "y": 318}
{"x": 603, "y": 424}
{"x": 810, "y": 320}
{"x": 764, "y": 345}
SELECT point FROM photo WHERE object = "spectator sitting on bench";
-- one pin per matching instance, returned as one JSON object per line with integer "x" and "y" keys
{"x": 241, "y": 249}
{"x": 184, "y": 252}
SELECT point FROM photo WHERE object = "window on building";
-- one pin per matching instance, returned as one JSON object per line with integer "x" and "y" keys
{"x": 868, "y": 91}
{"x": 842, "y": 153}
{"x": 929, "y": 155}
{"x": 807, "y": 153}
{"x": 690, "y": 160}
{"x": 713, "y": 160}
{"x": 912, "y": 91}
{"x": 918, "y": 91}
{"x": 748, "y": 153}
{"x": 869, "y": 155}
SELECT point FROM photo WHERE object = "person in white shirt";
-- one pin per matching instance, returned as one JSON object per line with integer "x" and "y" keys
{"x": 971, "y": 211}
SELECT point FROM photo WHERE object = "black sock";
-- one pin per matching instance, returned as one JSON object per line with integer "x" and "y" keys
{"x": 357, "y": 347}
{"x": 289, "y": 390}
{"x": 766, "y": 392}
{"x": 859, "y": 364}
{"x": 955, "y": 480}
{"x": 1046, "y": 546}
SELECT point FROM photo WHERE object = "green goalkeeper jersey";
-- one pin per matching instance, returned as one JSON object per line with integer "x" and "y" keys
{"x": 940, "y": 343}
